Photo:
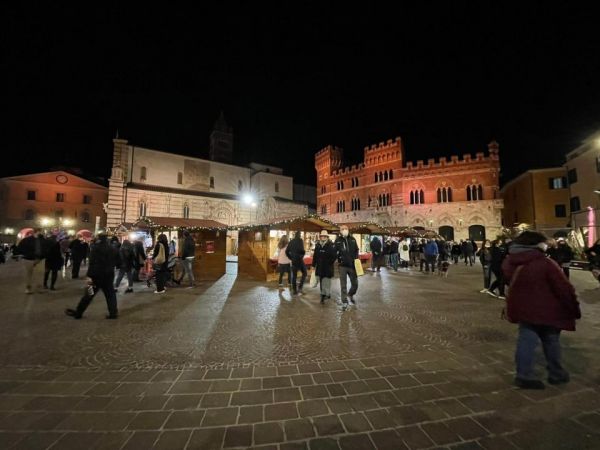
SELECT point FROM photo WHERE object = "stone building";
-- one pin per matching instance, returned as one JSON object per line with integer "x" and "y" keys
{"x": 539, "y": 198}
{"x": 50, "y": 200}
{"x": 153, "y": 183}
{"x": 458, "y": 197}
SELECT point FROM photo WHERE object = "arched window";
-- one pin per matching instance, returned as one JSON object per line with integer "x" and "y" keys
{"x": 358, "y": 203}
{"x": 179, "y": 178}
{"x": 240, "y": 185}
{"x": 142, "y": 209}
{"x": 439, "y": 195}
{"x": 186, "y": 211}
{"x": 343, "y": 205}
{"x": 276, "y": 186}
{"x": 444, "y": 195}
{"x": 389, "y": 199}
{"x": 385, "y": 176}
{"x": 391, "y": 174}
{"x": 469, "y": 197}
{"x": 421, "y": 197}
{"x": 479, "y": 192}
{"x": 212, "y": 182}
{"x": 30, "y": 214}
{"x": 352, "y": 181}
{"x": 143, "y": 174}
{"x": 449, "y": 194}
{"x": 412, "y": 198}
{"x": 356, "y": 182}
{"x": 342, "y": 184}
{"x": 380, "y": 176}
{"x": 85, "y": 216}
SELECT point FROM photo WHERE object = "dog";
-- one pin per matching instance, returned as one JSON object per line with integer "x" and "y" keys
{"x": 443, "y": 271}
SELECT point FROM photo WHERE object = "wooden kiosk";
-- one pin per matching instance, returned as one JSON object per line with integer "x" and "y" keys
{"x": 362, "y": 232}
{"x": 210, "y": 237}
{"x": 258, "y": 243}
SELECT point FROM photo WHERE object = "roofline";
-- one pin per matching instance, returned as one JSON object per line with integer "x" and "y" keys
{"x": 531, "y": 171}
{"x": 16, "y": 177}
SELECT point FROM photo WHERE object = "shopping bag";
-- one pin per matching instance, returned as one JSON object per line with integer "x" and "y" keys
{"x": 358, "y": 267}
{"x": 314, "y": 279}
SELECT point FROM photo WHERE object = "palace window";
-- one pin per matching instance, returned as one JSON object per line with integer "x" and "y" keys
{"x": 385, "y": 176}
{"x": 240, "y": 185}
{"x": 391, "y": 174}
{"x": 60, "y": 197}
{"x": 179, "y": 178}
{"x": 474, "y": 193}
{"x": 30, "y": 195}
{"x": 355, "y": 204}
{"x": 85, "y": 216}
{"x": 444, "y": 195}
{"x": 417, "y": 197}
{"x": 142, "y": 209}
{"x": 341, "y": 206}
{"x": 276, "y": 186}
{"x": 186, "y": 211}
{"x": 212, "y": 182}
{"x": 87, "y": 199}
{"x": 323, "y": 209}
{"x": 143, "y": 174}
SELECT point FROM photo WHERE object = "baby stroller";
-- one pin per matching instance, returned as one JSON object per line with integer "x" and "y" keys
{"x": 174, "y": 269}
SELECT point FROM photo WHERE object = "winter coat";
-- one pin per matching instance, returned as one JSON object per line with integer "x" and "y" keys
{"x": 539, "y": 293}
{"x": 189, "y": 247}
{"x": 28, "y": 248}
{"x": 456, "y": 250}
{"x": 467, "y": 249}
{"x": 485, "y": 256}
{"x": 562, "y": 254}
{"x": 393, "y": 248}
{"x": 295, "y": 251}
{"x": 282, "y": 258}
{"x": 323, "y": 259}
{"x": 375, "y": 246}
{"x": 102, "y": 261}
{"x": 347, "y": 250}
{"x": 126, "y": 257}
{"x": 140, "y": 255}
{"x": 498, "y": 253}
{"x": 164, "y": 266}
{"x": 54, "y": 259}
{"x": 593, "y": 259}
{"x": 431, "y": 249}
{"x": 387, "y": 248}
{"x": 78, "y": 249}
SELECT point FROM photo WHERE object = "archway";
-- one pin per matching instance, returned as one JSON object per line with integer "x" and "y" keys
{"x": 477, "y": 232}
{"x": 447, "y": 232}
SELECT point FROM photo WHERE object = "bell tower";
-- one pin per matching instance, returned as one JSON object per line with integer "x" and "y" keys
{"x": 221, "y": 141}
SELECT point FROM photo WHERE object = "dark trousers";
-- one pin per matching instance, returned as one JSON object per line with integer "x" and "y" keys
{"x": 161, "y": 279}
{"x": 298, "y": 266}
{"x": 345, "y": 273}
{"x": 284, "y": 268}
{"x": 566, "y": 271}
{"x": 136, "y": 273}
{"x": 487, "y": 275}
{"x": 122, "y": 273}
{"x": 498, "y": 281}
{"x": 455, "y": 258}
{"x": 108, "y": 289}
{"x": 75, "y": 268}
{"x": 53, "y": 279}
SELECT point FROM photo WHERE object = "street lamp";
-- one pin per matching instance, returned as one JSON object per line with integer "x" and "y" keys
{"x": 248, "y": 199}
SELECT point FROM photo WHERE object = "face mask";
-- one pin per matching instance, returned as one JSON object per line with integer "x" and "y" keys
{"x": 344, "y": 233}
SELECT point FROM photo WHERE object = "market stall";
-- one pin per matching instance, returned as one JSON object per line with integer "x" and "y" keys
{"x": 364, "y": 232}
{"x": 210, "y": 237}
{"x": 257, "y": 248}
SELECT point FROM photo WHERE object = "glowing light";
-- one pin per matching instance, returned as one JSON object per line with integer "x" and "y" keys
{"x": 71, "y": 232}
{"x": 67, "y": 222}
{"x": 253, "y": 204}
{"x": 45, "y": 221}
{"x": 9, "y": 231}
{"x": 248, "y": 199}
{"x": 592, "y": 226}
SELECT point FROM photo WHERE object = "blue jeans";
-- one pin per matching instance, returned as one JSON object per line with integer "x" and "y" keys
{"x": 529, "y": 335}
{"x": 394, "y": 260}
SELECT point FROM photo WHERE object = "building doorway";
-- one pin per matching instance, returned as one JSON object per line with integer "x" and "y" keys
{"x": 477, "y": 232}
{"x": 447, "y": 232}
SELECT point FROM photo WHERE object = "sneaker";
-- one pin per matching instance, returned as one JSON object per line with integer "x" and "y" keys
{"x": 502, "y": 297}
{"x": 160, "y": 292}
{"x": 72, "y": 313}
{"x": 490, "y": 293}
{"x": 129, "y": 291}
{"x": 529, "y": 384}
{"x": 483, "y": 291}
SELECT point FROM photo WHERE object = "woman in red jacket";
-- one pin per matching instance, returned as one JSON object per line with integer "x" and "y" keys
{"x": 543, "y": 302}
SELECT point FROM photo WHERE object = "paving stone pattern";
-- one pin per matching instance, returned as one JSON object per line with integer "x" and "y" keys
{"x": 421, "y": 362}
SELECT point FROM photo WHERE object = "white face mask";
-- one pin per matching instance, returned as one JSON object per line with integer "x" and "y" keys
{"x": 344, "y": 233}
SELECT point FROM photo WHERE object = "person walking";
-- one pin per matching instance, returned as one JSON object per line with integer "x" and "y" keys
{"x": 323, "y": 260}
{"x": 101, "y": 272}
{"x": 188, "y": 256}
{"x": 346, "y": 252}
{"x": 284, "y": 264}
{"x": 295, "y": 252}
{"x": 468, "y": 253}
{"x": 442, "y": 253}
{"x": 485, "y": 258}
{"x": 139, "y": 252}
{"x": 172, "y": 247}
{"x": 394, "y": 254}
{"x": 377, "y": 255}
{"x": 387, "y": 248}
{"x": 160, "y": 258}
{"x": 414, "y": 252}
{"x": 498, "y": 253}
{"x": 562, "y": 254}
{"x": 431, "y": 252}
{"x": 126, "y": 262}
{"x": 65, "y": 250}
{"x": 78, "y": 253}
{"x": 543, "y": 302}
{"x": 53, "y": 262}
{"x": 33, "y": 250}
{"x": 455, "y": 252}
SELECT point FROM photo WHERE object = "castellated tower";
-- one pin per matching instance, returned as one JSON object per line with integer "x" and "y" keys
{"x": 327, "y": 161}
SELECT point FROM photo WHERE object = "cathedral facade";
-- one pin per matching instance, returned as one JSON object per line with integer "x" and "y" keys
{"x": 152, "y": 183}
{"x": 457, "y": 197}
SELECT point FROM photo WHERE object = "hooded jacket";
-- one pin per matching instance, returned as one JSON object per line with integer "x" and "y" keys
{"x": 347, "y": 250}
{"x": 539, "y": 292}
{"x": 295, "y": 251}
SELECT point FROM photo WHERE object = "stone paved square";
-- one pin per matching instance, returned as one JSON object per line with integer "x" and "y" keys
{"x": 421, "y": 362}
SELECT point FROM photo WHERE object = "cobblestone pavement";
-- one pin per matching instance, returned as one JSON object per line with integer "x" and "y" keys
{"x": 420, "y": 362}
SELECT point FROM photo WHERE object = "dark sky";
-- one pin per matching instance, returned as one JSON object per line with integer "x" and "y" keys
{"x": 291, "y": 80}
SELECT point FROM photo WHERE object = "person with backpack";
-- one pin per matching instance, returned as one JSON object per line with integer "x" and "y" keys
{"x": 139, "y": 252}
{"x": 126, "y": 262}
{"x": 101, "y": 273}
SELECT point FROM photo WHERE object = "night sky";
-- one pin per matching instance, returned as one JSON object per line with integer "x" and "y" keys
{"x": 292, "y": 80}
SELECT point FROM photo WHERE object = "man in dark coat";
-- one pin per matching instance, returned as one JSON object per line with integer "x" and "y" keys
{"x": 126, "y": 261}
{"x": 188, "y": 256}
{"x": 78, "y": 253}
{"x": 140, "y": 258}
{"x": 543, "y": 302}
{"x": 323, "y": 259}
{"x": 562, "y": 254}
{"x": 376, "y": 254}
{"x": 53, "y": 262}
{"x": 101, "y": 272}
{"x": 394, "y": 254}
{"x": 456, "y": 252}
{"x": 33, "y": 249}
{"x": 347, "y": 251}
{"x": 295, "y": 251}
